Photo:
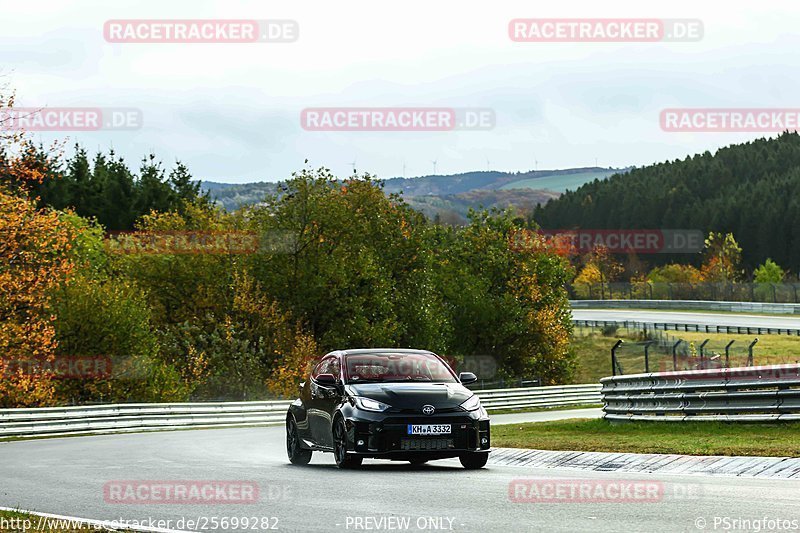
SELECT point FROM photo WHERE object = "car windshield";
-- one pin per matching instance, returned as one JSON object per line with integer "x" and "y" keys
{"x": 397, "y": 367}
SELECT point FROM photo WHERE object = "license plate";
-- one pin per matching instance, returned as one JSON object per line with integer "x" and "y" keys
{"x": 429, "y": 429}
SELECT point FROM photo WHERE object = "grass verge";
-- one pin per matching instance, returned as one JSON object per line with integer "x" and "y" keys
{"x": 593, "y": 351}
{"x": 539, "y": 409}
{"x": 687, "y": 438}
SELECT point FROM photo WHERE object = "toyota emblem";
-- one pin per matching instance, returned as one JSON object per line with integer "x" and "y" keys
{"x": 428, "y": 410}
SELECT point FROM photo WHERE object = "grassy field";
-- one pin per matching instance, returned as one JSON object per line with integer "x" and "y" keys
{"x": 14, "y": 521}
{"x": 593, "y": 351}
{"x": 540, "y": 409}
{"x": 561, "y": 182}
{"x": 700, "y": 438}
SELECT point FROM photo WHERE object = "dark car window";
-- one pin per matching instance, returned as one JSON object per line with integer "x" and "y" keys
{"x": 321, "y": 368}
{"x": 334, "y": 367}
{"x": 397, "y": 367}
{"x": 329, "y": 365}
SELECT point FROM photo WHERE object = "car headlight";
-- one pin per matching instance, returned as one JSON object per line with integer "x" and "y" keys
{"x": 472, "y": 404}
{"x": 368, "y": 404}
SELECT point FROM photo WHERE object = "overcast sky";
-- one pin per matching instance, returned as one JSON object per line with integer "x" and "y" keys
{"x": 231, "y": 112}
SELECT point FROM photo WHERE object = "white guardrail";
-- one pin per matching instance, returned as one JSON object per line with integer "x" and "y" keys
{"x": 691, "y": 305}
{"x": 121, "y": 418}
{"x": 747, "y": 394}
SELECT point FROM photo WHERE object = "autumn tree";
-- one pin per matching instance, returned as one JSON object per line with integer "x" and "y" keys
{"x": 33, "y": 261}
{"x": 34, "y": 246}
{"x": 722, "y": 258}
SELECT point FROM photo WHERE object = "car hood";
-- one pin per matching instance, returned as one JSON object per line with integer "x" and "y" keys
{"x": 413, "y": 395}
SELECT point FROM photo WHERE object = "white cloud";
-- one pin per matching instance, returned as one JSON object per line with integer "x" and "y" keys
{"x": 231, "y": 111}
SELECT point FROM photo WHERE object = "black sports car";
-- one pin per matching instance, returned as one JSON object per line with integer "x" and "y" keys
{"x": 405, "y": 405}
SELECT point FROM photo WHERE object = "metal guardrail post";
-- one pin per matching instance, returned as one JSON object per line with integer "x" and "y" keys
{"x": 703, "y": 353}
{"x": 750, "y": 352}
{"x": 727, "y": 358}
{"x": 614, "y": 358}
{"x": 675, "y": 355}
{"x": 647, "y": 356}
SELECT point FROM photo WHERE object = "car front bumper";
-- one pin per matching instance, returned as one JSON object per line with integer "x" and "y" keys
{"x": 385, "y": 435}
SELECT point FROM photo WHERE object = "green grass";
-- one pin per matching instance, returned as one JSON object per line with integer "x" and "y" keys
{"x": 34, "y": 521}
{"x": 593, "y": 351}
{"x": 559, "y": 183}
{"x": 690, "y": 438}
{"x": 539, "y": 409}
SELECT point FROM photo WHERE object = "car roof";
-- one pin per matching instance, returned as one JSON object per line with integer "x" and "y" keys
{"x": 377, "y": 351}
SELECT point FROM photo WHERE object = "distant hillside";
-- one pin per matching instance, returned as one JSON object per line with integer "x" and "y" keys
{"x": 453, "y": 208}
{"x": 561, "y": 181}
{"x": 555, "y": 180}
{"x": 449, "y": 196}
{"x": 751, "y": 190}
{"x": 232, "y": 196}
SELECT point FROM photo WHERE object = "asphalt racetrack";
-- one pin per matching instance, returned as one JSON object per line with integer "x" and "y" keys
{"x": 69, "y": 476}
{"x": 688, "y": 317}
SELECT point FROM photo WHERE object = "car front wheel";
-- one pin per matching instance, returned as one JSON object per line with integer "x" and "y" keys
{"x": 474, "y": 460}
{"x": 343, "y": 459}
{"x": 297, "y": 455}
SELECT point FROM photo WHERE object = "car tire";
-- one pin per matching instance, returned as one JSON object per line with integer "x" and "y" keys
{"x": 474, "y": 460}
{"x": 340, "y": 455}
{"x": 297, "y": 455}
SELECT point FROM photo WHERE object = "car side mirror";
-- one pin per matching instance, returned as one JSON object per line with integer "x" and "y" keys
{"x": 328, "y": 380}
{"x": 467, "y": 377}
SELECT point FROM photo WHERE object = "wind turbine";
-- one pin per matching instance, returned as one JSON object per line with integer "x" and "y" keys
{"x": 404, "y": 168}
{"x": 487, "y": 164}
{"x": 353, "y": 164}
{"x": 434, "y": 166}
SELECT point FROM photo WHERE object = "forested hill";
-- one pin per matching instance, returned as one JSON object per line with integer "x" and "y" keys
{"x": 449, "y": 196}
{"x": 751, "y": 190}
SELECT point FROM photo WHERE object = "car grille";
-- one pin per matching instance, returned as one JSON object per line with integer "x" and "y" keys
{"x": 426, "y": 444}
{"x": 439, "y": 410}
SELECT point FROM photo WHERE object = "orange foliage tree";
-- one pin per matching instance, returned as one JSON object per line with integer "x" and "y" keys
{"x": 33, "y": 260}
{"x": 34, "y": 247}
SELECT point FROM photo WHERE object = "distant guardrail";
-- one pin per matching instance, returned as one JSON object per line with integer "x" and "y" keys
{"x": 121, "y": 418}
{"x": 701, "y": 291}
{"x": 748, "y": 394}
{"x": 690, "y": 305}
{"x": 532, "y": 397}
{"x": 677, "y": 326}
